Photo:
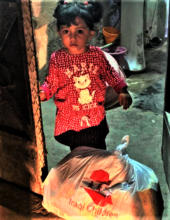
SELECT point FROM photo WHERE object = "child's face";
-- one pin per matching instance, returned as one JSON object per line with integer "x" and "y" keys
{"x": 75, "y": 37}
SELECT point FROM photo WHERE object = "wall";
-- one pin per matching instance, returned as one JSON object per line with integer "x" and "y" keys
{"x": 22, "y": 149}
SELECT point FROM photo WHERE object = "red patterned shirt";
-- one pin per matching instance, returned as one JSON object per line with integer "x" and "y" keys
{"x": 77, "y": 83}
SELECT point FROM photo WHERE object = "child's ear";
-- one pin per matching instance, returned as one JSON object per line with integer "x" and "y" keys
{"x": 91, "y": 34}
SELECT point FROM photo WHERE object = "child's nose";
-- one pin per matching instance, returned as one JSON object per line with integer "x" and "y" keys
{"x": 72, "y": 35}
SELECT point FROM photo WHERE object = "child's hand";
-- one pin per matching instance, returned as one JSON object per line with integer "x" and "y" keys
{"x": 125, "y": 100}
{"x": 42, "y": 95}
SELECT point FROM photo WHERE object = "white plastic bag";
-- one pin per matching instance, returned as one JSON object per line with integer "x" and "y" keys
{"x": 98, "y": 184}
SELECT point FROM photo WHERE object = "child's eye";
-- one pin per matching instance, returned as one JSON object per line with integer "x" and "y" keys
{"x": 65, "y": 31}
{"x": 80, "y": 31}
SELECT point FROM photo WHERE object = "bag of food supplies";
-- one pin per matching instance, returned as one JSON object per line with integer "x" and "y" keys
{"x": 99, "y": 184}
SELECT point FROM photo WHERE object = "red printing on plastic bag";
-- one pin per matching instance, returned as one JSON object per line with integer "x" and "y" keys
{"x": 103, "y": 178}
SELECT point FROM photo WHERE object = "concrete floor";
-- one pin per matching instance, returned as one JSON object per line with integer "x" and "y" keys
{"x": 143, "y": 122}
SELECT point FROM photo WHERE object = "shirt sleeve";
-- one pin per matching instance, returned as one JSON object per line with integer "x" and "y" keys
{"x": 111, "y": 76}
{"x": 51, "y": 83}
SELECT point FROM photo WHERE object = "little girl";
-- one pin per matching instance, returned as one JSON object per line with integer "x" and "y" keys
{"x": 77, "y": 78}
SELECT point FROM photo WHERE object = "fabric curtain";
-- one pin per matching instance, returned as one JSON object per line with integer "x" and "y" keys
{"x": 141, "y": 21}
{"x": 132, "y": 33}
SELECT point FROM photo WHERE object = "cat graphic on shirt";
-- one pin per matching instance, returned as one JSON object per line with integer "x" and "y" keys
{"x": 82, "y": 83}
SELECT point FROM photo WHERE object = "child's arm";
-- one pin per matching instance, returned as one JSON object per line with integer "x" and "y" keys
{"x": 125, "y": 98}
{"x": 50, "y": 84}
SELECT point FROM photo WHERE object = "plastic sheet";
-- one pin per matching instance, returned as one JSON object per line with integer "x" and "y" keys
{"x": 111, "y": 97}
{"x": 99, "y": 184}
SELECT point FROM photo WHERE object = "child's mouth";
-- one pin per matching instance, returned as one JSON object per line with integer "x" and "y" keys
{"x": 73, "y": 45}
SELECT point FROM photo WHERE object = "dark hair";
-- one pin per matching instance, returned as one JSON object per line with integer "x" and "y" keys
{"x": 91, "y": 12}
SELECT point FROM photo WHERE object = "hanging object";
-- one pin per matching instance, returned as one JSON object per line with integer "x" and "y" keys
{"x": 155, "y": 42}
